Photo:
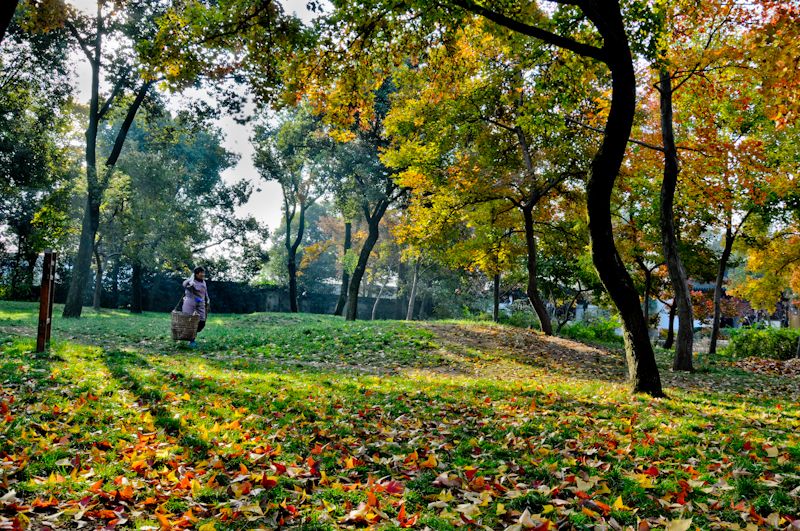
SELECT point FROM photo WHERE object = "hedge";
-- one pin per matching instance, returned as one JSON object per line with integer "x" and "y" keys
{"x": 776, "y": 343}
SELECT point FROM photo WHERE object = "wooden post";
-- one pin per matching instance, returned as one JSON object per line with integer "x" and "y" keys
{"x": 46, "y": 301}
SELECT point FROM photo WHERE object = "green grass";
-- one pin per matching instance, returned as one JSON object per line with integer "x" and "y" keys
{"x": 307, "y": 421}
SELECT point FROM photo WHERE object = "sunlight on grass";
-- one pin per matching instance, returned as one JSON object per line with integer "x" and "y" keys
{"x": 289, "y": 420}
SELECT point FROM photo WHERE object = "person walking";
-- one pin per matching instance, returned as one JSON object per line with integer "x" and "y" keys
{"x": 195, "y": 298}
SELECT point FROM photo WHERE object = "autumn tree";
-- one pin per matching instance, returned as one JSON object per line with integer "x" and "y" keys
{"x": 295, "y": 153}
{"x": 475, "y": 95}
{"x": 596, "y": 31}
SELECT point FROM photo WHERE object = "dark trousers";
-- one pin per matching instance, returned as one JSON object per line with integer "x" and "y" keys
{"x": 200, "y": 326}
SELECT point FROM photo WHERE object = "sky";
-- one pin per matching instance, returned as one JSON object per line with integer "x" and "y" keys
{"x": 265, "y": 204}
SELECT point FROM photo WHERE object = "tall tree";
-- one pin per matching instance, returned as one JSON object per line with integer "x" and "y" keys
{"x": 124, "y": 27}
{"x": 293, "y": 154}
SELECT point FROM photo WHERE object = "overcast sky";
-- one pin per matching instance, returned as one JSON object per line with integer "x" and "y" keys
{"x": 266, "y": 204}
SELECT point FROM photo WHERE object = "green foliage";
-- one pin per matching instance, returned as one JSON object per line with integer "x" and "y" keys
{"x": 602, "y": 331}
{"x": 776, "y": 343}
{"x": 521, "y": 317}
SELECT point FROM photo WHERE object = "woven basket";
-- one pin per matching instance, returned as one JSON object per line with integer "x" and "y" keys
{"x": 184, "y": 326}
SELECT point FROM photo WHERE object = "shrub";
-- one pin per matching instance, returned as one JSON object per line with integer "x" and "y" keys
{"x": 776, "y": 343}
{"x": 522, "y": 318}
{"x": 600, "y": 331}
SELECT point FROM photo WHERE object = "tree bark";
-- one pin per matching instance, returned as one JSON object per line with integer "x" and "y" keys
{"x": 723, "y": 266}
{"x": 373, "y": 233}
{"x": 648, "y": 282}
{"x": 412, "y": 297}
{"x": 98, "y": 281}
{"x": 348, "y": 243}
{"x": 533, "y": 288}
{"x": 115, "y": 283}
{"x": 496, "y": 298}
{"x": 6, "y": 14}
{"x": 136, "y": 288}
{"x": 682, "y": 301}
{"x": 642, "y": 368}
{"x": 671, "y": 327}
{"x": 291, "y": 256}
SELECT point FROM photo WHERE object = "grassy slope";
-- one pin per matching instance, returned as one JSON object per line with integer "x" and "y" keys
{"x": 311, "y": 422}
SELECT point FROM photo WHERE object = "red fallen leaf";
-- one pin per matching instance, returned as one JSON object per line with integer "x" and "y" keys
{"x": 372, "y": 500}
{"x": 757, "y": 517}
{"x": 470, "y": 472}
{"x": 126, "y": 493}
{"x": 3, "y": 407}
{"x": 747, "y": 446}
{"x": 606, "y": 509}
{"x": 394, "y": 487}
{"x": 317, "y": 449}
{"x": 544, "y": 526}
{"x": 652, "y": 471}
{"x": 96, "y": 487}
{"x": 279, "y": 468}
{"x": 39, "y": 503}
{"x": 404, "y": 521}
{"x": 268, "y": 482}
{"x": 582, "y": 495}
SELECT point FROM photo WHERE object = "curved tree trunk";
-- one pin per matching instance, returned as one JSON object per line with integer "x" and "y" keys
{"x": 682, "y": 302}
{"x": 136, "y": 288}
{"x": 642, "y": 367}
{"x": 723, "y": 266}
{"x": 670, "y": 327}
{"x": 412, "y": 298}
{"x": 348, "y": 242}
{"x": 533, "y": 288}
{"x": 361, "y": 268}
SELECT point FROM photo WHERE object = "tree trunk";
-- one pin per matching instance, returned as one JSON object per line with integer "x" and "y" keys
{"x": 648, "y": 282}
{"x": 291, "y": 266}
{"x": 682, "y": 301}
{"x": 98, "y": 281}
{"x": 496, "y": 298}
{"x": 670, "y": 327}
{"x": 378, "y": 298}
{"x": 6, "y": 14}
{"x": 533, "y": 289}
{"x": 348, "y": 242}
{"x": 115, "y": 283}
{"x": 723, "y": 266}
{"x": 412, "y": 297}
{"x": 642, "y": 368}
{"x": 136, "y": 288}
{"x": 291, "y": 256}
{"x": 361, "y": 267}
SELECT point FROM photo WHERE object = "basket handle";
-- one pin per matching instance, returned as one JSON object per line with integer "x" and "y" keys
{"x": 179, "y": 306}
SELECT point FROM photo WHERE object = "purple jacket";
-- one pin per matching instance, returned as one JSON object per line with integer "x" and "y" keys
{"x": 195, "y": 297}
